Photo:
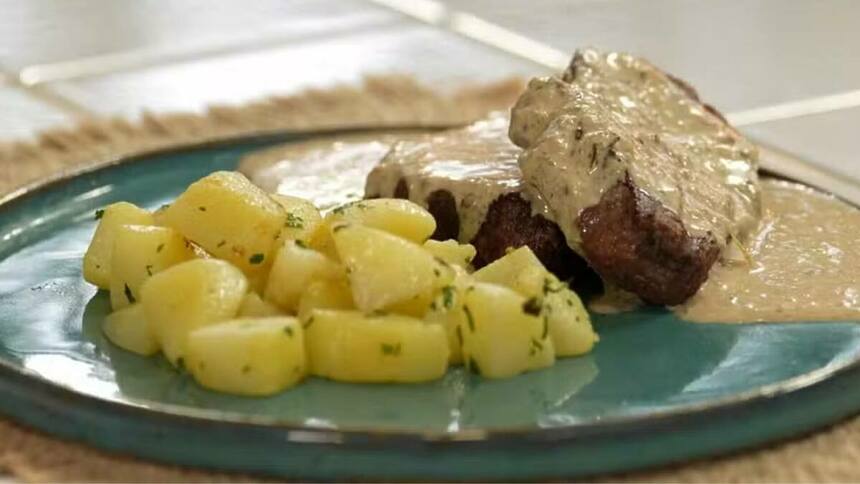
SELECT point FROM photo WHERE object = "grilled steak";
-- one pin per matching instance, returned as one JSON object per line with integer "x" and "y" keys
{"x": 646, "y": 182}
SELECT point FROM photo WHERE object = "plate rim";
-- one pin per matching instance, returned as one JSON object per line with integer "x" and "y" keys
{"x": 343, "y": 435}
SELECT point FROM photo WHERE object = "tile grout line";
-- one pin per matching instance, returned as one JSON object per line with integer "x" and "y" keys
{"x": 500, "y": 38}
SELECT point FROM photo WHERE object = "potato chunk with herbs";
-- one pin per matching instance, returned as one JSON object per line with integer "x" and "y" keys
{"x": 98, "y": 256}
{"x": 139, "y": 252}
{"x": 324, "y": 294}
{"x": 503, "y": 334}
{"x": 451, "y": 251}
{"x": 519, "y": 270}
{"x": 302, "y": 217}
{"x": 349, "y": 346}
{"x": 190, "y": 295}
{"x": 254, "y": 356}
{"x": 253, "y": 306}
{"x": 385, "y": 269}
{"x": 393, "y": 215}
{"x": 231, "y": 219}
{"x": 128, "y": 329}
{"x": 294, "y": 268}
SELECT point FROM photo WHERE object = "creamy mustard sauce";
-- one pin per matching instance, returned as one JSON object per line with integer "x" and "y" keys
{"x": 329, "y": 171}
{"x": 476, "y": 165}
{"x": 801, "y": 264}
{"x": 617, "y": 116}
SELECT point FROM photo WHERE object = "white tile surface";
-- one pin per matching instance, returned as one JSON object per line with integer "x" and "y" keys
{"x": 829, "y": 139}
{"x": 47, "y": 31}
{"x": 433, "y": 56}
{"x": 23, "y": 115}
{"x": 740, "y": 54}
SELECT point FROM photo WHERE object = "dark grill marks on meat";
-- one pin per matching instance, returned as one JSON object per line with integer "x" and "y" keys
{"x": 443, "y": 207}
{"x": 644, "y": 246}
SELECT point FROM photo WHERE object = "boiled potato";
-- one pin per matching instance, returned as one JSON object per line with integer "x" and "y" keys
{"x": 519, "y": 270}
{"x": 253, "y": 306}
{"x": 253, "y": 356}
{"x": 322, "y": 241}
{"x": 393, "y": 215}
{"x": 294, "y": 268}
{"x": 139, "y": 252}
{"x": 98, "y": 257}
{"x": 503, "y": 334}
{"x": 128, "y": 329}
{"x": 451, "y": 251}
{"x": 385, "y": 269}
{"x": 231, "y": 219}
{"x": 302, "y": 217}
{"x": 447, "y": 311}
{"x": 569, "y": 324}
{"x": 325, "y": 294}
{"x": 188, "y": 296}
{"x": 350, "y": 346}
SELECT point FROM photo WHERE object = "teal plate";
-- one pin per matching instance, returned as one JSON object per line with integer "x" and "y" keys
{"x": 655, "y": 390}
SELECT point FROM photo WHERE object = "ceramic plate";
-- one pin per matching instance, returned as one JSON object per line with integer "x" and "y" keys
{"x": 655, "y": 390}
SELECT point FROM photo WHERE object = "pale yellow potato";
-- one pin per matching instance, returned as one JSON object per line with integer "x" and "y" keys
{"x": 451, "y": 251}
{"x": 128, "y": 329}
{"x": 447, "y": 311}
{"x": 98, "y": 256}
{"x": 384, "y": 269}
{"x": 322, "y": 241}
{"x": 251, "y": 356}
{"x": 232, "y": 219}
{"x": 302, "y": 217}
{"x": 503, "y": 334}
{"x": 324, "y": 294}
{"x": 519, "y": 270}
{"x": 569, "y": 323}
{"x": 139, "y": 252}
{"x": 295, "y": 267}
{"x": 350, "y": 346}
{"x": 253, "y": 306}
{"x": 393, "y": 215}
{"x": 190, "y": 295}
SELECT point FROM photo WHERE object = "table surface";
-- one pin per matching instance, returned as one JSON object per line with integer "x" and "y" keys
{"x": 787, "y": 72}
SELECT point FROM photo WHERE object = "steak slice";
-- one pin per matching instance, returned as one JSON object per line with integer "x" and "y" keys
{"x": 646, "y": 182}
{"x": 471, "y": 182}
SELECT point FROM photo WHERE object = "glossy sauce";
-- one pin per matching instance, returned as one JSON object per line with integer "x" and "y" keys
{"x": 801, "y": 264}
{"x": 617, "y": 116}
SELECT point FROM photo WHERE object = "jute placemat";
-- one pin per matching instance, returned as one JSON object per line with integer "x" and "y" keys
{"x": 29, "y": 455}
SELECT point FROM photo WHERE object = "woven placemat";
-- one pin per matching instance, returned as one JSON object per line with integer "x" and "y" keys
{"x": 830, "y": 455}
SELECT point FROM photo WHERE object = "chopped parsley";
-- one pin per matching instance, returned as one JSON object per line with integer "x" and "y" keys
{"x": 294, "y": 221}
{"x": 159, "y": 248}
{"x": 100, "y": 213}
{"x": 448, "y": 297}
{"x": 473, "y": 365}
{"x": 221, "y": 244}
{"x": 256, "y": 258}
{"x": 552, "y": 286}
{"x": 437, "y": 272}
{"x": 246, "y": 369}
{"x": 307, "y": 324}
{"x": 129, "y": 295}
{"x": 469, "y": 318}
{"x": 301, "y": 243}
{"x": 459, "y": 336}
{"x": 289, "y": 331}
{"x": 545, "y": 327}
{"x": 202, "y": 209}
{"x": 338, "y": 228}
{"x": 390, "y": 349}
{"x": 532, "y": 306}
{"x": 149, "y": 269}
{"x": 536, "y": 346}
{"x": 180, "y": 364}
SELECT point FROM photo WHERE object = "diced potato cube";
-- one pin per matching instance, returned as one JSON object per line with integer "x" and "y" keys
{"x": 349, "y": 346}
{"x": 325, "y": 294}
{"x": 231, "y": 219}
{"x": 503, "y": 335}
{"x": 98, "y": 257}
{"x": 254, "y": 356}
{"x": 322, "y": 241}
{"x": 451, "y": 251}
{"x": 139, "y": 252}
{"x": 385, "y": 269}
{"x": 569, "y": 324}
{"x": 393, "y": 215}
{"x": 128, "y": 329}
{"x": 519, "y": 270}
{"x": 188, "y": 296}
{"x": 253, "y": 306}
{"x": 302, "y": 217}
{"x": 295, "y": 267}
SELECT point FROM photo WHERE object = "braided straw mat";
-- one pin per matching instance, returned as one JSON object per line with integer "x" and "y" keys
{"x": 830, "y": 455}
